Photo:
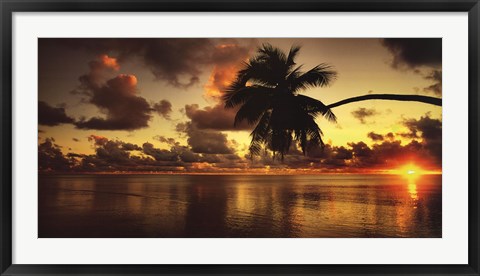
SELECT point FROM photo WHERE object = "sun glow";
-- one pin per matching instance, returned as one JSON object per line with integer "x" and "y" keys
{"x": 410, "y": 170}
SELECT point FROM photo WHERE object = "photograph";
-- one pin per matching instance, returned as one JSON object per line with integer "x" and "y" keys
{"x": 236, "y": 137}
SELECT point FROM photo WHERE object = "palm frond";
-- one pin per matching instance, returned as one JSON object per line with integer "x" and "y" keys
{"x": 301, "y": 138}
{"x": 257, "y": 71}
{"x": 260, "y": 134}
{"x": 272, "y": 54}
{"x": 252, "y": 109}
{"x": 292, "y": 54}
{"x": 321, "y": 75}
{"x": 234, "y": 96}
{"x": 314, "y": 107}
{"x": 294, "y": 74}
{"x": 281, "y": 141}
{"x": 314, "y": 133}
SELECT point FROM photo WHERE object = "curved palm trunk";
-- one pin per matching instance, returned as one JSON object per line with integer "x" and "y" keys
{"x": 413, "y": 98}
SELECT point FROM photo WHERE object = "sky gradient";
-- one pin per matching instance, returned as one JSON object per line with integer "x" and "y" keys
{"x": 154, "y": 105}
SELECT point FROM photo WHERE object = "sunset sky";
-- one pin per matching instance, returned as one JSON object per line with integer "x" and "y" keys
{"x": 153, "y": 105}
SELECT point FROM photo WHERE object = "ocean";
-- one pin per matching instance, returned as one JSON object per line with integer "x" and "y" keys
{"x": 239, "y": 206}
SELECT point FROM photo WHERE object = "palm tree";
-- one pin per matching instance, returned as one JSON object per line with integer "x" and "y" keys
{"x": 267, "y": 90}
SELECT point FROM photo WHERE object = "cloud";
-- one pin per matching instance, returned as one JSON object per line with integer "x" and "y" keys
{"x": 205, "y": 141}
{"x": 362, "y": 113}
{"x": 51, "y": 158}
{"x": 177, "y": 61}
{"x": 116, "y": 155}
{"x": 112, "y": 145}
{"x": 98, "y": 68}
{"x": 425, "y": 127}
{"x": 130, "y": 147}
{"x": 106, "y": 62}
{"x": 375, "y": 136}
{"x": 113, "y": 151}
{"x": 98, "y": 140}
{"x": 163, "y": 108}
{"x": 425, "y": 147}
{"x": 163, "y": 139}
{"x": 117, "y": 99}
{"x": 436, "y": 88}
{"x": 389, "y": 136}
{"x": 214, "y": 118}
{"x": 159, "y": 154}
{"x": 227, "y": 57}
{"x": 430, "y": 132}
{"x": 414, "y": 52}
{"x": 52, "y": 116}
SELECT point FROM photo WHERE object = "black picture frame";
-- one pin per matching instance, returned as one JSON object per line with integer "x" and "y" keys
{"x": 8, "y": 7}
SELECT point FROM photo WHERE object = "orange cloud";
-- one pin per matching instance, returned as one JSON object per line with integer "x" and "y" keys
{"x": 128, "y": 80}
{"x": 219, "y": 79}
{"x": 228, "y": 58}
{"x": 109, "y": 62}
{"x": 99, "y": 140}
{"x": 202, "y": 166}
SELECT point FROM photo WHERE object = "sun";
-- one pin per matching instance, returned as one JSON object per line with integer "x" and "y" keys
{"x": 410, "y": 170}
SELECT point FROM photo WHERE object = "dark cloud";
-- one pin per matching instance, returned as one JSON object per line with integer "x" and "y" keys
{"x": 98, "y": 140}
{"x": 163, "y": 108}
{"x": 362, "y": 113}
{"x": 117, "y": 99}
{"x": 414, "y": 52}
{"x": 51, "y": 158}
{"x": 113, "y": 151}
{"x": 436, "y": 77}
{"x": 375, "y": 136}
{"x": 159, "y": 154}
{"x": 116, "y": 155}
{"x": 52, "y": 116}
{"x": 389, "y": 136}
{"x": 425, "y": 149}
{"x": 214, "y": 118}
{"x": 205, "y": 141}
{"x": 99, "y": 68}
{"x": 107, "y": 144}
{"x": 178, "y": 61}
{"x": 75, "y": 139}
{"x": 130, "y": 146}
{"x": 163, "y": 139}
{"x": 333, "y": 157}
{"x": 430, "y": 132}
{"x": 228, "y": 57}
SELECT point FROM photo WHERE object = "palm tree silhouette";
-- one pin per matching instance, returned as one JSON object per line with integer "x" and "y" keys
{"x": 267, "y": 92}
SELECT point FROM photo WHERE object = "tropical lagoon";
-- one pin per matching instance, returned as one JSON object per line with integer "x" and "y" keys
{"x": 240, "y": 206}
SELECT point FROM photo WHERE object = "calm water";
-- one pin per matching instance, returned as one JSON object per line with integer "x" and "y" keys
{"x": 240, "y": 206}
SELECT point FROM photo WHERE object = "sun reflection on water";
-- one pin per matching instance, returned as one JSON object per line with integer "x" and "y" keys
{"x": 412, "y": 188}
{"x": 412, "y": 177}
